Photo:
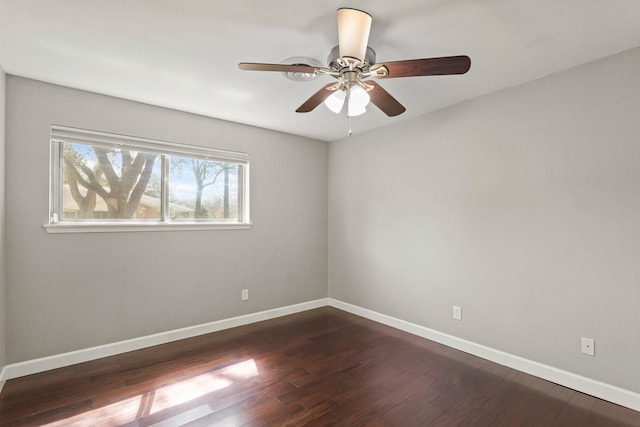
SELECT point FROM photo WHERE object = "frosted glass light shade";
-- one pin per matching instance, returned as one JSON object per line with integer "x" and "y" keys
{"x": 353, "y": 32}
{"x": 358, "y": 101}
{"x": 335, "y": 102}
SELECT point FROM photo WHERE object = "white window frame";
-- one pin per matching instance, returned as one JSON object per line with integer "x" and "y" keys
{"x": 64, "y": 134}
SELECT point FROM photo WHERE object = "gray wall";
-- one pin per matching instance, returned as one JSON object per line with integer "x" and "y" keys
{"x": 522, "y": 206}
{"x": 72, "y": 291}
{"x": 2, "y": 225}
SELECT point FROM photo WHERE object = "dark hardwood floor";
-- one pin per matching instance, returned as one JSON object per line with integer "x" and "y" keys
{"x": 322, "y": 367}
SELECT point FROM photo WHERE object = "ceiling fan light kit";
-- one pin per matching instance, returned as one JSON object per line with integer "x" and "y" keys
{"x": 356, "y": 99}
{"x": 353, "y": 63}
{"x": 335, "y": 102}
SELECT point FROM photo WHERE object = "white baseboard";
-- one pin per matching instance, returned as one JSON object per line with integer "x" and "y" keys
{"x": 586, "y": 385}
{"x": 2, "y": 378}
{"x": 34, "y": 366}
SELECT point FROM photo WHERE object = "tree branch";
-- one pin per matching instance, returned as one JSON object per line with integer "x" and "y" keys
{"x": 141, "y": 185}
{"x": 132, "y": 171}
{"x": 92, "y": 184}
{"x": 107, "y": 168}
{"x": 213, "y": 180}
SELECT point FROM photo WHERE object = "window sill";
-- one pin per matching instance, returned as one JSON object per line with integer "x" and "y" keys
{"x": 126, "y": 228}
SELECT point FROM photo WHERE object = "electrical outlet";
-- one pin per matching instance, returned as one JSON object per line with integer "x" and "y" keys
{"x": 457, "y": 312}
{"x": 588, "y": 346}
{"x": 245, "y": 294}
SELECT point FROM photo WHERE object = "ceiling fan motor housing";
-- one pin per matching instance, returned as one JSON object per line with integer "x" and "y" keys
{"x": 338, "y": 63}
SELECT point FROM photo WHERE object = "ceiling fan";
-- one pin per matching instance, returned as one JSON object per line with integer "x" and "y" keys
{"x": 353, "y": 63}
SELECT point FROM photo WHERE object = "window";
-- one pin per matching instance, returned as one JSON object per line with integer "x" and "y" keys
{"x": 106, "y": 182}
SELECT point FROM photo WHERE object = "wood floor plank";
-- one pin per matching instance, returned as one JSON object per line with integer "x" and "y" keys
{"x": 322, "y": 367}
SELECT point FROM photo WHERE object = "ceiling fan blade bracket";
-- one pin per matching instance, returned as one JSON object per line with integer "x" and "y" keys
{"x": 366, "y": 86}
{"x": 378, "y": 71}
{"x": 328, "y": 72}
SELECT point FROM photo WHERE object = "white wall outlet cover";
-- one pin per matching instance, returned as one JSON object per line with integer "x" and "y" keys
{"x": 588, "y": 346}
{"x": 457, "y": 312}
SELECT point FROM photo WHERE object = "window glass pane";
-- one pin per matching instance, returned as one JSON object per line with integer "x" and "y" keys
{"x": 107, "y": 180}
{"x": 103, "y": 183}
{"x": 203, "y": 189}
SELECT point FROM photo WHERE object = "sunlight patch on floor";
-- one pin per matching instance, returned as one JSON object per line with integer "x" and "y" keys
{"x": 185, "y": 417}
{"x": 165, "y": 397}
{"x": 115, "y": 414}
{"x": 187, "y": 390}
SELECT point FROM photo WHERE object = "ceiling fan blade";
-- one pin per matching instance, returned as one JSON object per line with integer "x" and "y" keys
{"x": 426, "y": 67}
{"x": 317, "y": 98}
{"x": 384, "y": 101}
{"x": 353, "y": 32}
{"x": 285, "y": 68}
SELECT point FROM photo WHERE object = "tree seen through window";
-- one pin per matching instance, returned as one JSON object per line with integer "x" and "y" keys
{"x": 107, "y": 183}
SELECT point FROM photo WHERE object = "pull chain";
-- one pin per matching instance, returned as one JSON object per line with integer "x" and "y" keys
{"x": 347, "y": 101}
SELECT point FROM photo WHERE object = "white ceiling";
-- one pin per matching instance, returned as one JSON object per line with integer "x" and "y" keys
{"x": 183, "y": 54}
